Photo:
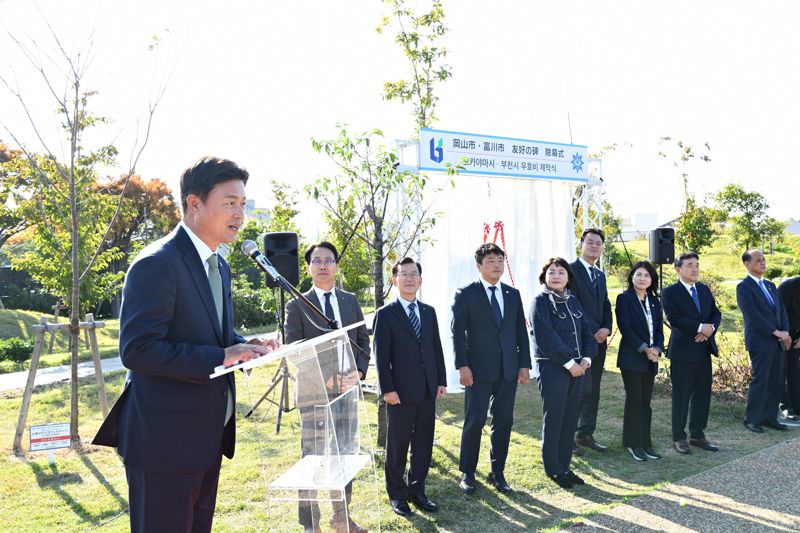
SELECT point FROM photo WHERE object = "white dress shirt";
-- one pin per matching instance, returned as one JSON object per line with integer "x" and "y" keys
{"x": 497, "y": 294}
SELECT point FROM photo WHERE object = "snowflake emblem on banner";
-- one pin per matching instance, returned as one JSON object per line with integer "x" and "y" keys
{"x": 577, "y": 162}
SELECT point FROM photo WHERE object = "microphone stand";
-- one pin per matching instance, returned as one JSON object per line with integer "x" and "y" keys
{"x": 282, "y": 375}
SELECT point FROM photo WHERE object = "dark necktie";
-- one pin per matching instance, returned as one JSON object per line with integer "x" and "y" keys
{"x": 412, "y": 317}
{"x": 215, "y": 280}
{"x": 498, "y": 315}
{"x": 329, "y": 307}
{"x": 696, "y": 298}
{"x": 766, "y": 292}
{"x": 593, "y": 276}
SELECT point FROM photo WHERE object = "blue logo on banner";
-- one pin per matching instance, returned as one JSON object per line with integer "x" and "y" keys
{"x": 437, "y": 152}
{"x": 577, "y": 162}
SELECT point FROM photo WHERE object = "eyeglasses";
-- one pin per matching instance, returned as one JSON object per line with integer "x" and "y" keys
{"x": 408, "y": 275}
{"x": 328, "y": 261}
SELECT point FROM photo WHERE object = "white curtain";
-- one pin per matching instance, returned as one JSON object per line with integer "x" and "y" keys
{"x": 538, "y": 224}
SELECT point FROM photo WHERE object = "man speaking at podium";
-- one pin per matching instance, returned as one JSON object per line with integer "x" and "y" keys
{"x": 172, "y": 424}
{"x": 322, "y": 260}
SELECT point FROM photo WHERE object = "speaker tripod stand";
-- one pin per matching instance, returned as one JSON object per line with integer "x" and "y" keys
{"x": 282, "y": 376}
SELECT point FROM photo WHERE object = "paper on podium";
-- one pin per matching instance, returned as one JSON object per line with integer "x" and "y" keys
{"x": 284, "y": 351}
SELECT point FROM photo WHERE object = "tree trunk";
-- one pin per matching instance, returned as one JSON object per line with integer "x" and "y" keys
{"x": 74, "y": 312}
{"x": 377, "y": 276}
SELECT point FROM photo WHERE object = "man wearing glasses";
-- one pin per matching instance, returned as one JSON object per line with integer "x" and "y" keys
{"x": 322, "y": 259}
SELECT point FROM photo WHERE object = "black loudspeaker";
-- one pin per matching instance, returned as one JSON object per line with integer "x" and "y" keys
{"x": 662, "y": 246}
{"x": 280, "y": 248}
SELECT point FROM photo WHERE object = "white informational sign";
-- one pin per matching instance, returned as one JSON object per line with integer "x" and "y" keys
{"x": 50, "y": 437}
{"x": 502, "y": 156}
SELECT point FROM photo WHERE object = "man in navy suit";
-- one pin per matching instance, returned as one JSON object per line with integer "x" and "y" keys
{"x": 590, "y": 288}
{"x": 172, "y": 424}
{"x": 766, "y": 337}
{"x": 694, "y": 318}
{"x": 492, "y": 354}
{"x": 790, "y": 294}
{"x": 411, "y": 374}
{"x": 322, "y": 260}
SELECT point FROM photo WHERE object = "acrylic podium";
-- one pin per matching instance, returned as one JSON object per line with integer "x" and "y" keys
{"x": 333, "y": 435}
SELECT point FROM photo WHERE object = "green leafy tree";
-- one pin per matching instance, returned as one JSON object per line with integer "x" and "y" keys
{"x": 695, "y": 229}
{"x": 148, "y": 212}
{"x": 394, "y": 217}
{"x": 419, "y": 37}
{"x": 71, "y": 223}
{"x": 49, "y": 261}
{"x": 14, "y": 174}
{"x": 354, "y": 259}
{"x": 748, "y": 223}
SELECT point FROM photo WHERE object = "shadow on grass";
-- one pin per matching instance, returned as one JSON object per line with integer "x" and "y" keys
{"x": 49, "y": 477}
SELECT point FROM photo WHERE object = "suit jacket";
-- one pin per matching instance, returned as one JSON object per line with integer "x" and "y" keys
{"x": 632, "y": 324}
{"x": 595, "y": 302}
{"x": 170, "y": 416}
{"x": 761, "y": 318}
{"x": 560, "y": 330}
{"x": 790, "y": 294}
{"x": 478, "y": 342}
{"x": 406, "y": 365}
{"x": 298, "y": 326}
{"x": 684, "y": 319}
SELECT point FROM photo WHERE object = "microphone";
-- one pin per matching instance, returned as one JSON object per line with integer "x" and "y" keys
{"x": 250, "y": 249}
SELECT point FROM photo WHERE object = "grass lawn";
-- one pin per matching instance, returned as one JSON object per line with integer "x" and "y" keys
{"x": 87, "y": 490}
{"x": 15, "y": 323}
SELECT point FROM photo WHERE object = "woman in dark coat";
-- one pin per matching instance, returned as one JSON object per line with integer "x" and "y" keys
{"x": 563, "y": 346}
{"x": 640, "y": 324}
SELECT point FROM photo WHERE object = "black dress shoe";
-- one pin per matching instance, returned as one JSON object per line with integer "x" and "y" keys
{"x": 577, "y": 451}
{"x": 423, "y": 502}
{"x": 651, "y": 453}
{"x": 637, "y": 453}
{"x": 755, "y": 428}
{"x": 562, "y": 480}
{"x": 589, "y": 442}
{"x": 682, "y": 447}
{"x": 498, "y": 480}
{"x": 703, "y": 444}
{"x": 467, "y": 484}
{"x": 400, "y": 507}
{"x": 575, "y": 478}
{"x": 773, "y": 424}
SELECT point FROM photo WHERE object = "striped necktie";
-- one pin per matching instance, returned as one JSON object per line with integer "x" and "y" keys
{"x": 412, "y": 317}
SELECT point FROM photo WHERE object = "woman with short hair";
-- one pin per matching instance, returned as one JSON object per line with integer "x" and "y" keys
{"x": 563, "y": 346}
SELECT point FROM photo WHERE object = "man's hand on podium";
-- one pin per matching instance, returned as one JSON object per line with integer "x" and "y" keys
{"x": 239, "y": 353}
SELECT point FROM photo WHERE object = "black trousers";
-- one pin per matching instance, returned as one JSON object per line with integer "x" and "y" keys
{"x": 590, "y": 394}
{"x": 766, "y": 386}
{"x": 172, "y": 502}
{"x": 497, "y": 397}
{"x": 560, "y": 398}
{"x": 791, "y": 395}
{"x": 409, "y": 424}
{"x": 691, "y": 397}
{"x": 638, "y": 414}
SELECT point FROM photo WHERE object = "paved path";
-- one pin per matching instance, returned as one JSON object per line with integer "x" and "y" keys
{"x": 758, "y": 492}
{"x": 53, "y": 374}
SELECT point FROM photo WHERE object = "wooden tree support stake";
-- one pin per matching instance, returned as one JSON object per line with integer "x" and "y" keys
{"x": 44, "y": 326}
